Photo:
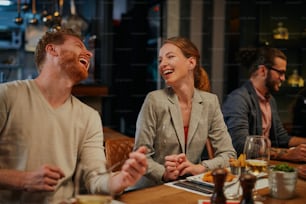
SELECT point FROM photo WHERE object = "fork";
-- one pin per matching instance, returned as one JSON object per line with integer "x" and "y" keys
{"x": 109, "y": 170}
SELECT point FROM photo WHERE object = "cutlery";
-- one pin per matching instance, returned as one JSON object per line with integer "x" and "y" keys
{"x": 109, "y": 170}
{"x": 193, "y": 186}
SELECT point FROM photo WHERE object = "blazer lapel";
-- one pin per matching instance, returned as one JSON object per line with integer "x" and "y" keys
{"x": 176, "y": 117}
{"x": 196, "y": 114}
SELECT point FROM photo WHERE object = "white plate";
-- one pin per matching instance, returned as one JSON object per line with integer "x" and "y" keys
{"x": 261, "y": 175}
{"x": 198, "y": 179}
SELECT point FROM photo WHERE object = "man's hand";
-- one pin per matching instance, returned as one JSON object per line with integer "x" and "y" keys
{"x": 297, "y": 153}
{"x": 302, "y": 171}
{"x": 132, "y": 170}
{"x": 44, "y": 179}
{"x": 294, "y": 154}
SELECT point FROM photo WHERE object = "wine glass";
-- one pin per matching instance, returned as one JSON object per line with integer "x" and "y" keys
{"x": 257, "y": 152}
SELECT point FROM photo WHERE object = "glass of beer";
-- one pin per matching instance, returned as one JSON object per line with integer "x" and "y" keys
{"x": 94, "y": 199}
{"x": 257, "y": 152}
{"x": 82, "y": 195}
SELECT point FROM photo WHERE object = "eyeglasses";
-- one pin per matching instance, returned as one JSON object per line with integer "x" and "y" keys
{"x": 280, "y": 72}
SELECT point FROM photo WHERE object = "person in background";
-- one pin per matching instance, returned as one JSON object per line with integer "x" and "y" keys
{"x": 302, "y": 171}
{"x": 46, "y": 133}
{"x": 251, "y": 109}
{"x": 176, "y": 122}
{"x": 299, "y": 114}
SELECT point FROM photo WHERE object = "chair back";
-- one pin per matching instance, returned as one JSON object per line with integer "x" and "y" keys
{"x": 210, "y": 149}
{"x": 117, "y": 151}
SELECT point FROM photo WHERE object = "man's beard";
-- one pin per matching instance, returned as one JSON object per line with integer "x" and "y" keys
{"x": 69, "y": 63}
{"x": 270, "y": 84}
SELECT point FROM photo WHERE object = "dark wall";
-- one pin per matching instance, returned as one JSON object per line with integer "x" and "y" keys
{"x": 132, "y": 57}
{"x": 251, "y": 24}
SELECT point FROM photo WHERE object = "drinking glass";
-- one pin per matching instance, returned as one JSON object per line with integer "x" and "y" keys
{"x": 82, "y": 197}
{"x": 257, "y": 152}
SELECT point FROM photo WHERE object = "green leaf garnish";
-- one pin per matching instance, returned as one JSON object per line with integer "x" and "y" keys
{"x": 283, "y": 167}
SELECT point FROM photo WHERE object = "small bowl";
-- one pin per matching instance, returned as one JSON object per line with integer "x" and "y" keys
{"x": 282, "y": 184}
{"x": 237, "y": 170}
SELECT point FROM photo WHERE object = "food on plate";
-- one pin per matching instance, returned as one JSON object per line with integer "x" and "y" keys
{"x": 240, "y": 162}
{"x": 207, "y": 177}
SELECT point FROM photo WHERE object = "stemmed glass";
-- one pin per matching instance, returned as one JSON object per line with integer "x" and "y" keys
{"x": 257, "y": 152}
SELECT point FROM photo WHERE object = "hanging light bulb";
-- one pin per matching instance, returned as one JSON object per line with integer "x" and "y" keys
{"x": 25, "y": 6}
{"x": 34, "y": 20}
{"x": 18, "y": 20}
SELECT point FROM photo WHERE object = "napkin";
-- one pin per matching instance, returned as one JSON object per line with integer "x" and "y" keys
{"x": 227, "y": 202}
{"x": 260, "y": 183}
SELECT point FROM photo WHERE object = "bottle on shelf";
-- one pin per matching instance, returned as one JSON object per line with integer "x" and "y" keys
{"x": 281, "y": 32}
{"x": 295, "y": 80}
{"x": 219, "y": 176}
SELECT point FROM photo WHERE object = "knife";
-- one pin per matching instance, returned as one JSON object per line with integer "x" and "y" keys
{"x": 194, "y": 186}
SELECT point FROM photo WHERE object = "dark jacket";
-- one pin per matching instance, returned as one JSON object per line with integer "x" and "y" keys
{"x": 243, "y": 117}
{"x": 299, "y": 115}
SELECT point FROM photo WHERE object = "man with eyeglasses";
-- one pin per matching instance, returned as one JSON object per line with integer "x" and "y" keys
{"x": 252, "y": 110}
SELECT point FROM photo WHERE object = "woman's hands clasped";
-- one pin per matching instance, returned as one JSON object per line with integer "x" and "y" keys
{"x": 178, "y": 165}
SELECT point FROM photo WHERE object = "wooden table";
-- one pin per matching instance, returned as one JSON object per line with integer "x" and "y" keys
{"x": 166, "y": 194}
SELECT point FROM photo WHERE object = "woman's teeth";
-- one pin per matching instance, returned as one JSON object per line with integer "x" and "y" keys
{"x": 167, "y": 72}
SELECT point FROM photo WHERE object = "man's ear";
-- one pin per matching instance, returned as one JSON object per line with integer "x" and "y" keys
{"x": 262, "y": 70}
{"x": 50, "y": 48}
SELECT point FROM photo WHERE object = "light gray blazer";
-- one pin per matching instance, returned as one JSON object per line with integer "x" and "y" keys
{"x": 160, "y": 127}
